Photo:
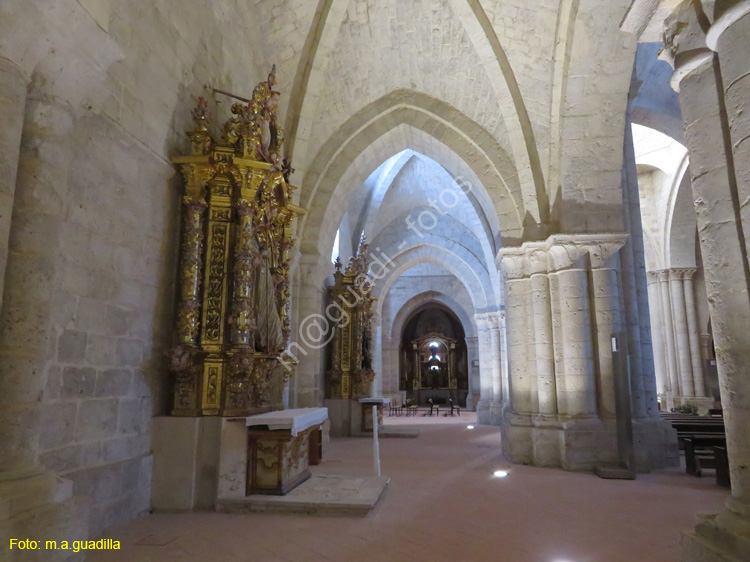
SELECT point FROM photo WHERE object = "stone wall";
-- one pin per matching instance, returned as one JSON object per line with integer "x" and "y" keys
{"x": 88, "y": 298}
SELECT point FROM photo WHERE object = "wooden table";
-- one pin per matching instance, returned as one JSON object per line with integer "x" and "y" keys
{"x": 281, "y": 446}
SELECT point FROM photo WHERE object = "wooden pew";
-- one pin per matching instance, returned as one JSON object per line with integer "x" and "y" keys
{"x": 722, "y": 467}
{"x": 699, "y": 452}
{"x": 687, "y": 425}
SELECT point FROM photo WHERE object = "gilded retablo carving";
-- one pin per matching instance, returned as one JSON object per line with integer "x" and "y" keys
{"x": 232, "y": 320}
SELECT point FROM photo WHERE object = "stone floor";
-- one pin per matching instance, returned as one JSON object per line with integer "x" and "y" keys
{"x": 444, "y": 505}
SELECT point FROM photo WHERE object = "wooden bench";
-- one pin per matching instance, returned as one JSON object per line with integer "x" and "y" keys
{"x": 699, "y": 452}
{"x": 687, "y": 425}
{"x": 708, "y": 452}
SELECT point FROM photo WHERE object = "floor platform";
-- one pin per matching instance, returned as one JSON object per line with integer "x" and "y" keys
{"x": 319, "y": 495}
{"x": 392, "y": 431}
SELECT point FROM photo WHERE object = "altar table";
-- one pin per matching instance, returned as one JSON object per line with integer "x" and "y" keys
{"x": 367, "y": 404}
{"x": 281, "y": 446}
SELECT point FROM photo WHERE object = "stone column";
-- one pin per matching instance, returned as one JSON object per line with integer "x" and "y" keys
{"x": 682, "y": 343}
{"x": 669, "y": 340}
{"x": 485, "y": 370}
{"x": 543, "y": 344}
{"x": 729, "y": 36}
{"x": 34, "y": 502}
{"x": 657, "y": 330}
{"x": 605, "y": 264}
{"x": 713, "y": 97}
{"x": 496, "y": 358}
{"x": 693, "y": 335}
{"x": 576, "y": 385}
{"x": 13, "y": 83}
{"x": 521, "y": 361}
{"x": 17, "y": 437}
{"x": 634, "y": 294}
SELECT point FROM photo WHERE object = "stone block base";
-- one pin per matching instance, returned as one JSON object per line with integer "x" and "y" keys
{"x": 655, "y": 442}
{"x": 723, "y": 537}
{"x": 41, "y": 508}
{"x": 484, "y": 415}
{"x": 345, "y": 416}
{"x": 584, "y": 444}
{"x": 186, "y": 459}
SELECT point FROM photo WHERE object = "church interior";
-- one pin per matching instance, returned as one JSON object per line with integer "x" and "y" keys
{"x": 333, "y": 280}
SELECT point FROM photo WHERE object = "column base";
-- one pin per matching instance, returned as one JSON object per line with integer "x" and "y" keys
{"x": 469, "y": 401}
{"x": 43, "y": 508}
{"x": 722, "y": 537}
{"x": 496, "y": 413}
{"x": 484, "y": 416}
{"x": 583, "y": 443}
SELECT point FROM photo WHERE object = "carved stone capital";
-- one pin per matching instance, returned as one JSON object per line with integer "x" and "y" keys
{"x": 512, "y": 263}
{"x": 525, "y": 260}
{"x": 481, "y": 320}
{"x": 494, "y": 319}
{"x": 736, "y": 10}
{"x": 567, "y": 250}
{"x": 684, "y": 43}
{"x": 681, "y": 273}
{"x": 559, "y": 252}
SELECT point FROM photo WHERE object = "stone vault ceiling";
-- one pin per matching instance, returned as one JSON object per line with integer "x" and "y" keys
{"x": 530, "y": 78}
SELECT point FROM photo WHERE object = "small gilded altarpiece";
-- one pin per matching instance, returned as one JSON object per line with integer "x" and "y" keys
{"x": 350, "y": 354}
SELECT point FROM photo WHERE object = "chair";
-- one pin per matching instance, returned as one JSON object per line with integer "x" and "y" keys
{"x": 454, "y": 407}
{"x": 411, "y": 408}
{"x": 394, "y": 408}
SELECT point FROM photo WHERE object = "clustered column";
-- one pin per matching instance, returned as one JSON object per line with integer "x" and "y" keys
{"x": 663, "y": 382}
{"x": 682, "y": 342}
{"x": 490, "y": 343}
{"x": 565, "y": 300}
{"x": 677, "y": 338}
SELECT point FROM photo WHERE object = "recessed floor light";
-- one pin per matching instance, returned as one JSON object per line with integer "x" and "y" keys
{"x": 500, "y": 474}
{"x": 469, "y": 427}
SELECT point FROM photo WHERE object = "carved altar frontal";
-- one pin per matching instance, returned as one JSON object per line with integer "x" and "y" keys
{"x": 233, "y": 302}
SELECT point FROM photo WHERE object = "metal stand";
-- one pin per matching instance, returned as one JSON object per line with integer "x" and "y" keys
{"x": 625, "y": 470}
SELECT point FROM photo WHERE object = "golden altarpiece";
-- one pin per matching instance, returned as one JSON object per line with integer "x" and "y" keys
{"x": 351, "y": 374}
{"x": 233, "y": 312}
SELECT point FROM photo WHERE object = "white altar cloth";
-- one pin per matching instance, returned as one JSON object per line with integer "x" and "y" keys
{"x": 297, "y": 419}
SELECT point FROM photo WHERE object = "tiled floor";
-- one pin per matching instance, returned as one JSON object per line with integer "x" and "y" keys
{"x": 443, "y": 505}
